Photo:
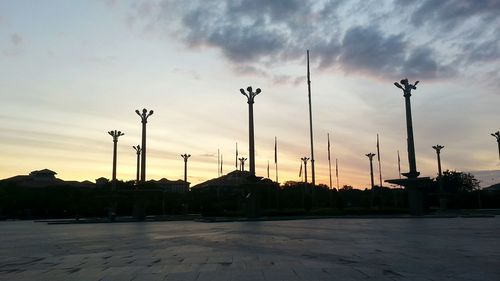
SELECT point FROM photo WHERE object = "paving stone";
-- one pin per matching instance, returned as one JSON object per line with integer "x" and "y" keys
{"x": 460, "y": 249}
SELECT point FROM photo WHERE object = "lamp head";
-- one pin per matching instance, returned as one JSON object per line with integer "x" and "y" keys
{"x": 397, "y": 85}
{"x": 258, "y": 91}
{"x": 249, "y": 89}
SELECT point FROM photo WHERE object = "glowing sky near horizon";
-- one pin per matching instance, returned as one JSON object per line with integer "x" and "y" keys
{"x": 72, "y": 70}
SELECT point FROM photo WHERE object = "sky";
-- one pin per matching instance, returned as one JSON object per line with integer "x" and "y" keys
{"x": 70, "y": 71}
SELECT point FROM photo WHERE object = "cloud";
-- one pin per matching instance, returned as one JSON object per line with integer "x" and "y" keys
{"x": 15, "y": 46}
{"x": 449, "y": 14}
{"x": 251, "y": 34}
{"x": 16, "y": 39}
{"x": 365, "y": 48}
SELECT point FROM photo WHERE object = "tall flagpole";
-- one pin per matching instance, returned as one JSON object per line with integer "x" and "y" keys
{"x": 337, "y": 172}
{"x": 218, "y": 163}
{"x": 300, "y": 171}
{"x": 221, "y": 163}
{"x": 236, "y": 159}
{"x": 276, "y": 157}
{"x": 378, "y": 158}
{"x": 329, "y": 161}
{"x": 310, "y": 122}
{"x": 399, "y": 166}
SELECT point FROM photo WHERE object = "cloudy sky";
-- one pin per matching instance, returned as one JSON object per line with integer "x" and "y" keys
{"x": 72, "y": 70}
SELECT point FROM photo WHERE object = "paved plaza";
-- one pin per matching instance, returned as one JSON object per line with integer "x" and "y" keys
{"x": 322, "y": 249}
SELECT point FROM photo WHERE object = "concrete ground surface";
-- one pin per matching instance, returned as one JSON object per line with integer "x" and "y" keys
{"x": 322, "y": 249}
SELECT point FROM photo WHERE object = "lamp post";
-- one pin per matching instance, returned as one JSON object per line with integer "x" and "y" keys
{"x": 185, "y": 157}
{"x": 407, "y": 87}
{"x": 115, "y": 134}
{"x": 438, "y": 153}
{"x": 251, "y": 145}
{"x": 370, "y": 156}
{"x": 138, "y": 152}
{"x": 144, "y": 120}
{"x": 305, "y": 159}
{"x": 497, "y": 136}
{"x": 242, "y": 163}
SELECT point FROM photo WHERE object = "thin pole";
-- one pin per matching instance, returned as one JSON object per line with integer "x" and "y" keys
{"x": 251, "y": 142}
{"x": 305, "y": 159}
{"x": 370, "y": 156}
{"x": 337, "y": 171}
{"x": 115, "y": 134}
{"x": 399, "y": 166}
{"x": 236, "y": 159}
{"x": 276, "y": 157}
{"x": 185, "y": 157}
{"x": 218, "y": 163}
{"x": 310, "y": 121}
{"x": 378, "y": 158}
{"x": 138, "y": 152}
{"x": 144, "y": 120}
{"x": 407, "y": 88}
{"x": 329, "y": 162}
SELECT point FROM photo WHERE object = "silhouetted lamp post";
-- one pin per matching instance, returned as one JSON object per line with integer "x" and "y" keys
{"x": 407, "y": 87}
{"x": 305, "y": 159}
{"x": 497, "y": 136}
{"x": 144, "y": 119}
{"x": 438, "y": 153}
{"x": 185, "y": 157}
{"x": 242, "y": 163}
{"x": 138, "y": 152}
{"x": 251, "y": 145}
{"x": 115, "y": 134}
{"x": 370, "y": 156}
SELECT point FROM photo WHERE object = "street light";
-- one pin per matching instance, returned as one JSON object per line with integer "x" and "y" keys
{"x": 115, "y": 134}
{"x": 370, "y": 156}
{"x": 242, "y": 163}
{"x": 438, "y": 153}
{"x": 138, "y": 152}
{"x": 305, "y": 159}
{"x": 497, "y": 136}
{"x": 144, "y": 119}
{"x": 251, "y": 145}
{"x": 407, "y": 87}
{"x": 185, "y": 157}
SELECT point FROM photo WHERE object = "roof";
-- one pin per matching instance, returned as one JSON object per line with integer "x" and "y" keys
{"x": 233, "y": 178}
{"x": 43, "y": 171}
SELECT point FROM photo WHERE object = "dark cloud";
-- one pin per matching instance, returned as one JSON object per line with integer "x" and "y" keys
{"x": 366, "y": 48}
{"x": 421, "y": 63}
{"x": 254, "y": 34}
{"x": 15, "y": 46}
{"x": 16, "y": 39}
{"x": 488, "y": 51}
{"x": 448, "y": 14}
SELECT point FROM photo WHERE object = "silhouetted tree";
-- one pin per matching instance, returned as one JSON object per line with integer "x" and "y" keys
{"x": 454, "y": 182}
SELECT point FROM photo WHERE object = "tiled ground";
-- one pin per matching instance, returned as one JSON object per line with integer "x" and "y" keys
{"x": 329, "y": 249}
